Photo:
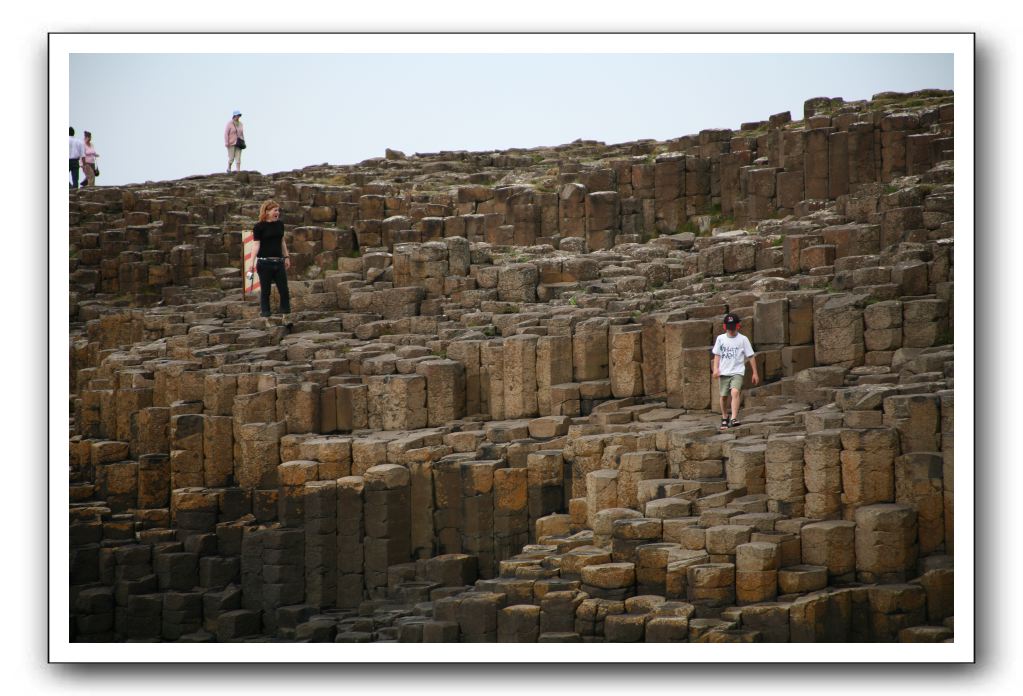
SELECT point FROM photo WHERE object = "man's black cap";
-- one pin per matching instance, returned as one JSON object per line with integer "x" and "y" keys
{"x": 731, "y": 320}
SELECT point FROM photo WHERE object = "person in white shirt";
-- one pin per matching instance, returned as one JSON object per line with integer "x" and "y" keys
{"x": 731, "y": 352}
{"x": 76, "y": 151}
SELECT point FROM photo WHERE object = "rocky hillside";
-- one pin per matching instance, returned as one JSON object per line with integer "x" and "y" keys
{"x": 491, "y": 417}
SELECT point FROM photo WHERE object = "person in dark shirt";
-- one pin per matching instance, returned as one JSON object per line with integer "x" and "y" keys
{"x": 272, "y": 259}
{"x": 76, "y": 150}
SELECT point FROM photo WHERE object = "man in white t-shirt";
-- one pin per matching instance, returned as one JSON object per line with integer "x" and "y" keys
{"x": 731, "y": 351}
{"x": 76, "y": 151}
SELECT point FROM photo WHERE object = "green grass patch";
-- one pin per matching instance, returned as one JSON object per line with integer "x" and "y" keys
{"x": 688, "y": 226}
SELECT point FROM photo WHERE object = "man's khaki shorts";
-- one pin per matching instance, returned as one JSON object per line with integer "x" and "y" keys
{"x": 729, "y": 382}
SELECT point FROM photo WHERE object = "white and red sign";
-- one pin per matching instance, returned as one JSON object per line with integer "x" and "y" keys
{"x": 251, "y": 282}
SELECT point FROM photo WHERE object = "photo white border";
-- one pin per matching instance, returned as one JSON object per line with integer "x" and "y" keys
{"x": 61, "y": 46}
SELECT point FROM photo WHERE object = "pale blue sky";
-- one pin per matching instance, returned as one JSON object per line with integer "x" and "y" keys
{"x": 162, "y": 116}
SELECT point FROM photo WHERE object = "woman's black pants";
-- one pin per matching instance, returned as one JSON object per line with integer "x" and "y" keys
{"x": 272, "y": 271}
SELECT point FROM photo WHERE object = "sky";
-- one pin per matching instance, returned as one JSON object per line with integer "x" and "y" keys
{"x": 162, "y": 116}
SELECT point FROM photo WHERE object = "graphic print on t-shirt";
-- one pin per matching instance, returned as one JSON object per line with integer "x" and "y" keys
{"x": 733, "y": 352}
{"x": 730, "y": 353}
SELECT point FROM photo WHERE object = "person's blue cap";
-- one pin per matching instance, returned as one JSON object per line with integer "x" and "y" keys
{"x": 236, "y": 113}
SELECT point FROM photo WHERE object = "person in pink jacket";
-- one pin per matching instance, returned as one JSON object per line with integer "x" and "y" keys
{"x": 233, "y": 133}
{"x": 89, "y": 161}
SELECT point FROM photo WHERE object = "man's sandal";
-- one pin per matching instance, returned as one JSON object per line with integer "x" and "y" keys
{"x": 724, "y": 424}
{"x": 734, "y": 422}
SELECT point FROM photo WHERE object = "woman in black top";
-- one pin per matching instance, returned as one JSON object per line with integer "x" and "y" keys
{"x": 272, "y": 258}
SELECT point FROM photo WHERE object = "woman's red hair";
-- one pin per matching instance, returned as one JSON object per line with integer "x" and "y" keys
{"x": 264, "y": 210}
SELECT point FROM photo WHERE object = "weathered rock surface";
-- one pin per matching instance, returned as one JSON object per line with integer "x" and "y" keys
{"x": 492, "y": 418}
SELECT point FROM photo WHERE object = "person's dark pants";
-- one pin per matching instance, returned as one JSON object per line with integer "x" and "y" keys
{"x": 272, "y": 271}
{"x": 72, "y": 165}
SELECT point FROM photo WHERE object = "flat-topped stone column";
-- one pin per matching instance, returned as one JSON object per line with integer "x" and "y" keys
{"x": 756, "y": 572}
{"x": 397, "y": 402}
{"x": 626, "y": 366}
{"x": 445, "y": 391}
{"x": 590, "y": 350}
{"x": 260, "y": 454}
{"x": 478, "y": 514}
{"x": 387, "y": 520}
{"x": 830, "y": 544}
{"x": 520, "y": 383}
{"x": 685, "y": 383}
{"x": 553, "y": 366}
{"x": 919, "y": 478}
{"x": 321, "y": 547}
{"x": 886, "y": 543}
{"x": 785, "y": 485}
{"x": 868, "y": 475}
{"x": 822, "y": 474}
{"x": 351, "y": 533}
